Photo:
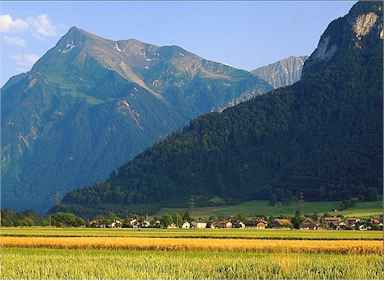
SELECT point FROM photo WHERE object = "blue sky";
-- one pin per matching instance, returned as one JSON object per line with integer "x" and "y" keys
{"x": 242, "y": 34}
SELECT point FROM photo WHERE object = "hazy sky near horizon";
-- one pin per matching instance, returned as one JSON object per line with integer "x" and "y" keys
{"x": 242, "y": 34}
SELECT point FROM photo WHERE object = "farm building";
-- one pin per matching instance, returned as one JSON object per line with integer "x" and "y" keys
{"x": 260, "y": 224}
{"x": 199, "y": 225}
{"x": 224, "y": 224}
{"x": 362, "y": 227}
{"x": 173, "y": 225}
{"x": 210, "y": 225}
{"x": 375, "y": 221}
{"x": 145, "y": 224}
{"x": 351, "y": 223}
{"x": 309, "y": 224}
{"x": 186, "y": 225}
{"x": 331, "y": 222}
{"x": 282, "y": 223}
{"x": 239, "y": 224}
{"x": 132, "y": 222}
{"x": 115, "y": 224}
{"x": 97, "y": 223}
{"x": 341, "y": 225}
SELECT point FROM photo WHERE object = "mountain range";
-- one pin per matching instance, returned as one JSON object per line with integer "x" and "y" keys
{"x": 91, "y": 104}
{"x": 281, "y": 73}
{"x": 318, "y": 139}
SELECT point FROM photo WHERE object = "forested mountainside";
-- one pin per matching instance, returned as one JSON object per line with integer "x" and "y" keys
{"x": 91, "y": 104}
{"x": 282, "y": 73}
{"x": 321, "y": 138}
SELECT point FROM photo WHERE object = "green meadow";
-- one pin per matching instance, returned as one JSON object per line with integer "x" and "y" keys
{"x": 258, "y": 208}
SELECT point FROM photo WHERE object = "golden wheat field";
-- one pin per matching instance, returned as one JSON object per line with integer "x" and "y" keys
{"x": 133, "y": 243}
{"x": 105, "y": 256}
{"x": 248, "y": 233}
{"x": 43, "y": 263}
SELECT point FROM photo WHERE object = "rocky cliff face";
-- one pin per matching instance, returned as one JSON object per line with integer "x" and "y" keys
{"x": 322, "y": 137}
{"x": 348, "y": 38}
{"x": 279, "y": 74}
{"x": 282, "y": 73}
{"x": 90, "y": 104}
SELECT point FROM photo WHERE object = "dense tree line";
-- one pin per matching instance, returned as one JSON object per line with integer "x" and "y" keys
{"x": 30, "y": 218}
{"x": 26, "y": 218}
{"x": 321, "y": 137}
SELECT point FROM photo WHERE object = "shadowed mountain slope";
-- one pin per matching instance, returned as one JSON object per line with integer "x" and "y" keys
{"x": 91, "y": 104}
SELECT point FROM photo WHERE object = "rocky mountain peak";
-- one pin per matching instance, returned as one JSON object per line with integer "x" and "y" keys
{"x": 283, "y": 72}
{"x": 77, "y": 35}
{"x": 75, "y": 30}
{"x": 358, "y": 31}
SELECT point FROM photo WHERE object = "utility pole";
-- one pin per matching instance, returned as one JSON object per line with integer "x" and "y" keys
{"x": 301, "y": 202}
{"x": 56, "y": 199}
{"x": 192, "y": 202}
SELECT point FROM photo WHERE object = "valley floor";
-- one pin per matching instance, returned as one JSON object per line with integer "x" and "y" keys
{"x": 84, "y": 253}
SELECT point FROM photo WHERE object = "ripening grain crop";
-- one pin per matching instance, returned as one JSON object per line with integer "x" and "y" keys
{"x": 28, "y": 263}
{"x": 169, "y": 244}
{"x": 248, "y": 233}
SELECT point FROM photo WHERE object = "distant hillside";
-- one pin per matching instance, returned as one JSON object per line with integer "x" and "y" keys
{"x": 91, "y": 104}
{"x": 319, "y": 139}
{"x": 264, "y": 208}
{"x": 283, "y": 72}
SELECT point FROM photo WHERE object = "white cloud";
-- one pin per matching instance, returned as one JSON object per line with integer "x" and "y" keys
{"x": 15, "y": 34}
{"x": 8, "y": 24}
{"x": 14, "y": 41}
{"x": 24, "y": 62}
{"x": 42, "y": 26}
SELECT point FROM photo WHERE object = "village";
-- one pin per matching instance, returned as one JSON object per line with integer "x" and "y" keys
{"x": 258, "y": 223}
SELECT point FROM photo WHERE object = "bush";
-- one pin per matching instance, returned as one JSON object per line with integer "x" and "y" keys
{"x": 66, "y": 219}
